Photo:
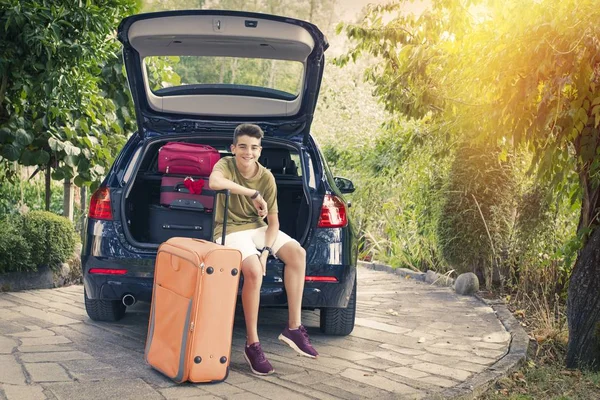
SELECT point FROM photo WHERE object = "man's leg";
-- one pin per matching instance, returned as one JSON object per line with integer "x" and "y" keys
{"x": 252, "y": 271}
{"x": 294, "y": 272}
{"x": 294, "y": 258}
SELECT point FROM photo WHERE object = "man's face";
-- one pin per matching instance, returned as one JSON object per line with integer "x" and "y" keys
{"x": 246, "y": 151}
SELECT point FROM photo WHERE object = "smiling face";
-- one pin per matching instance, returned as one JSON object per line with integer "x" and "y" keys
{"x": 246, "y": 152}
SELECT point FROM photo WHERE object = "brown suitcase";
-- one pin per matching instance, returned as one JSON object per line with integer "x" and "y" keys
{"x": 193, "y": 306}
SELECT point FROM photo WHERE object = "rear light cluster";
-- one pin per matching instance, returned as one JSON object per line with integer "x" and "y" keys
{"x": 333, "y": 213}
{"x": 331, "y": 279}
{"x": 107, "y": 271}
{"x": 100, "y": 207}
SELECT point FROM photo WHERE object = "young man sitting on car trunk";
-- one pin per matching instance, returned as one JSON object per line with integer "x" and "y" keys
{"x": 254, "y": 197}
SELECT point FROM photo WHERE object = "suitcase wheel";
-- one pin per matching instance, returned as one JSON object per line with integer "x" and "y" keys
{"x": 210, "y": 270}
{"x": 223, "y": 360}
{"x": 234, "y": 272}
{"x": 197, "y": 359}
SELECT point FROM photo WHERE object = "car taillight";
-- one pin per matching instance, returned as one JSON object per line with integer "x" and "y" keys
{"x": 100, "y": 204}
{"x": 332, "y": 279}
{"x": 107, "y": 271}
{"x": 333, "y": 213}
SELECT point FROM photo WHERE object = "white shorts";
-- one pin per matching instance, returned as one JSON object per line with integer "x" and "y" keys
{"x": 251, "y": 240}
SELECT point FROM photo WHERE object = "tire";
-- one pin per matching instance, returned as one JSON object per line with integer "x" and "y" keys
{"x": 104, "y": 310}
{"x": 339, "y": 321}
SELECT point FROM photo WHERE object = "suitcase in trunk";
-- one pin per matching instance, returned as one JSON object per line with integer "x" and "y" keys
{"x": 187, "y": 159}
{"x": 193, "y": 306}
{"x": 172, "y": 189}
{"x": 189, "y": 219}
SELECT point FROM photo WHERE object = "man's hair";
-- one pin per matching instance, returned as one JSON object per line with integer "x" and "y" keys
{"x": 247, "y": 130}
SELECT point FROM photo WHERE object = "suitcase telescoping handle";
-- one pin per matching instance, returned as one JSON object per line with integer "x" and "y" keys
{"x": 224, "y": 192}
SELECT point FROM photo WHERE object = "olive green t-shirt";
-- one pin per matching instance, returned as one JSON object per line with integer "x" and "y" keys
{"x": 242, "y": 214}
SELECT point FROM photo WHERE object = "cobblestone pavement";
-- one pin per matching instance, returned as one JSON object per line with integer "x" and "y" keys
{"x": 411, "y": 340}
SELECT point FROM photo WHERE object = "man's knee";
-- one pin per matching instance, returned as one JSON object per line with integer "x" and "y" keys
{"x": 252, "y": 271}
{"x": 292, "y": 253}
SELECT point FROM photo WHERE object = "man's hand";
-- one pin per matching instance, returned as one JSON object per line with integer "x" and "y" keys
{"x": 261, "y": 206}
{"x": 263, "y": 261}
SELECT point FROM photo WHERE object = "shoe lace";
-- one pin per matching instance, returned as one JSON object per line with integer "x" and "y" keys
{"x": 304, "y": 334}
{"x": 259, "y": 353}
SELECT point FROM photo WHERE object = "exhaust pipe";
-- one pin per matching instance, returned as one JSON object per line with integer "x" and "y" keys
{"x": 128, "y": 300}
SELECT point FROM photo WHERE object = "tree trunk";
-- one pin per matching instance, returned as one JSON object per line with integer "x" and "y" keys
{"x": 583, "y": 302}
{"x": 583, "y": 307}
{"x": 48, "y": 188}
{"x": 68, "y": 196}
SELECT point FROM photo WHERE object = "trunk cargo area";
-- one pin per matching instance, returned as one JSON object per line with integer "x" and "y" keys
{"x": 150, "y": 223}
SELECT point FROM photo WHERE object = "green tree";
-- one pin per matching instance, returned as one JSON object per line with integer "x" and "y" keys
{"x": 520, "y": 74}
{"x": 58, "y": 105}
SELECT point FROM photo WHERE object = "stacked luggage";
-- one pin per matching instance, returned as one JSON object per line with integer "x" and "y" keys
{"x": 195, "y": 281}
{"x": 186, "y": 202}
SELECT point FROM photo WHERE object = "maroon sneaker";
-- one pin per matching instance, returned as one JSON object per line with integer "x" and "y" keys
{"x": 257, "y": 360}
{"x": 298, "y": 340}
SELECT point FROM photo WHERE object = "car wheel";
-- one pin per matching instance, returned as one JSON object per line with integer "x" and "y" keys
{"x": 104, "y": 310}
{"x": 339, "y": 321}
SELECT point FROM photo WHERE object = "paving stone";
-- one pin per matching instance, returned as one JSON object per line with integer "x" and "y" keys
{"x": 497, "y": 337}
{"x": 493, "y": 346}
{"x": 12, "y": 372}
{"x": 47, "y": 316}
{"x": 54, "y": 356}
{"x": 342, "y": 353}
{"x": 380, "y": 326}
{"x": 7, "y": 345}
{"x": 179, "y": 392}
{"x": 467, "y": 366}
{"x": 375, "y": 363}
{"x": 5, "y": 303}
{"x": 436, "y": 380}
{"x": 447, "y": 352}
{"x": 23, "y": 392}
{"x": 379, "y": 382}
{"x": 308, "y": 390}
{"x": 46, "y": 340}
{"x": 224, "y": 388}
{"x": 45, "y": 348}
{"x": 402, "y": 350}
{"x": 9, "y": 314}
{"x": 269, "y": 390}
{"x": 407, "y": 372}
{"x": 131, "y": 389}
{"x": 243, "y": 396}
{"x": 442, "y": 370}
{"x": 47, "y": 372}
{"x": 34, "y": 334}
{"x": 395, "y": 357}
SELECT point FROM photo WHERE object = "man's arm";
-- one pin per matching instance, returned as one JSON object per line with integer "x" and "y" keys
{"x": 217, "y": 181}
{"x": 270, "y": 236}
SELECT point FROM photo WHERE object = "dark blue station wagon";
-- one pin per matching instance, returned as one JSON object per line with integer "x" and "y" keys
{"x": 227, "y": 68}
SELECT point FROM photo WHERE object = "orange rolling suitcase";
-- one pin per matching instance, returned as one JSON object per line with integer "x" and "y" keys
{"x": 193, "y": 306}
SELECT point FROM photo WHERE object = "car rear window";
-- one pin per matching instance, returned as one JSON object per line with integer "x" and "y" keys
{"x": 176, "y": 75}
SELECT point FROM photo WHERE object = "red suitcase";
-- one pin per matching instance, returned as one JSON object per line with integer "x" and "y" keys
{"x": 173, "y": 190}
{"x": 187, "y": 159}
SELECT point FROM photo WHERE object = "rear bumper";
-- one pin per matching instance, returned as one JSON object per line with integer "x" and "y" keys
{"x": 316, "y": 294}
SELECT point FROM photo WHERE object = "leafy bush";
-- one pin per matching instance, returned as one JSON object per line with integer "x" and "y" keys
{"x": 52, "y": 237}
{"x": 15, "y": 250}
{"x": 477, "y": 214}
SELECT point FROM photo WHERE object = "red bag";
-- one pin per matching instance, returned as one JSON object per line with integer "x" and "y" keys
{"x": 187, "y": 159}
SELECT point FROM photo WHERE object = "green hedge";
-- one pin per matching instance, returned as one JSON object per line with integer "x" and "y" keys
{"x": 15, "y": 250}
{"x": 35, "y": 239}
